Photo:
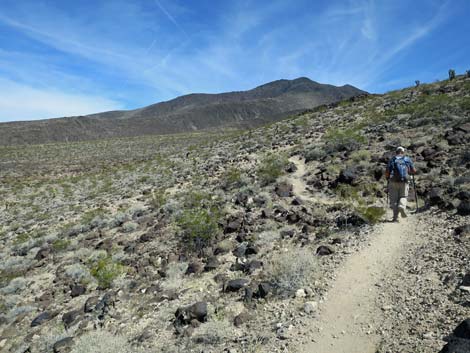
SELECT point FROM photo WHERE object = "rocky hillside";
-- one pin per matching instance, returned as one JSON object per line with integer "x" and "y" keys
{"x": 194, "y": 112}
{"x": 230, "y": 242}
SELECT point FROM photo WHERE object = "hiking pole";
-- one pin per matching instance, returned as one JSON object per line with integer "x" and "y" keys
{"x": 416, "y": 193}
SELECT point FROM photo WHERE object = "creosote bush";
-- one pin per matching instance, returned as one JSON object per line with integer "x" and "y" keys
{"x": 199, "y": 226}
{"x": 338, "y": 140}
{"x": 272, "y": 167}
{"x": 105, "y": 270}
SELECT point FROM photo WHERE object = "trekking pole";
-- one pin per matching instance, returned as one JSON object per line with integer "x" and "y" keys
{"x": 416, "y": 192}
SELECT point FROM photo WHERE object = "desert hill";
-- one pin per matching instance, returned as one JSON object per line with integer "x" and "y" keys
{"x": 195, "y": 112}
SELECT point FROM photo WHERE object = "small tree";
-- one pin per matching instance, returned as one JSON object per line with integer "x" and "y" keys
{"x": 451, "y": 74}
{"x": 467, "y": 73}
{"x": 417, "y": 83}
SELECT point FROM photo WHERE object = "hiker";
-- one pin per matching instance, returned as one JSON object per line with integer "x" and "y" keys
{"x": 398, "y": 170}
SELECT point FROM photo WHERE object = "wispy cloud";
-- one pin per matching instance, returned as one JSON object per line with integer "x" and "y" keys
{"x": 142, "y": 52}
{"x": 22, "y": 102}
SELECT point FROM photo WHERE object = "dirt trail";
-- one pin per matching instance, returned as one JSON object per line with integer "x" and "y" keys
{"x": 298, "y": 184}
{"x": 349, "y": 315}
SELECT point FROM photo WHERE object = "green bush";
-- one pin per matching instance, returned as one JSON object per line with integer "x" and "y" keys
{"x": 105, "y": 270}
{"x": 343, "y": 139}
{"x": 60, "y": 244}
{"x": 360, "y": 156}
{"x": 158, "y": 198}
{"x": 232, "y": 178}
{"x": 372, "y": 214}
{"x": 199, "y": 226}
{"x": 272, "y": 167}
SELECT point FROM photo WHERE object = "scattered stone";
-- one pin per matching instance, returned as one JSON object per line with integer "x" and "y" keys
{"x": 40, "y": 319}
{"x": 197, "y": 311}
{"x": 70, "y": 318}
{"x": 90, "y": 304}
{"x": 242, "y": 318}
{"x": 211, "y": 264}
{"x": 300, "y": 293}
{"x": 235, "y": 285}
{"x": 310, "y": 307}
{"x": 324, "y": 250}
{"x": 76, "y": 290}
{"x": 283, "y": 189}
{"x": 63, "y": 346}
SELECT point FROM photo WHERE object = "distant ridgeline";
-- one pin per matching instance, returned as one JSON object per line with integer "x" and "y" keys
{"x": 236, "y": 110}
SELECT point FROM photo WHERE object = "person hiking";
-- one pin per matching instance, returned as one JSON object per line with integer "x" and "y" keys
{"x": 398, "y": 170}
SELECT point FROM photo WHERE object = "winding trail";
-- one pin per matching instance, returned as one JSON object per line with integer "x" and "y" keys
{"x": 349, "y": 315}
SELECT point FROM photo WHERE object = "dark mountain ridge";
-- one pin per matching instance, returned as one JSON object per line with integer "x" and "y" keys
{"x": 199, "y": 111}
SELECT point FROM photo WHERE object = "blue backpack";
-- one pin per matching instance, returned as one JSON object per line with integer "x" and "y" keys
{"x": 399, "y": 169}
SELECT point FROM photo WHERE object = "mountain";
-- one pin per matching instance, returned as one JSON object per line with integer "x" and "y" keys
{"x": 246, "y": 109}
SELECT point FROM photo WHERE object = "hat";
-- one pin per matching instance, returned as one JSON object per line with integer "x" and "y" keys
{"x": 400, "y": 149}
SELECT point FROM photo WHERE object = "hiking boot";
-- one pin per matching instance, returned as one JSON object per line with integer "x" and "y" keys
{"x": 402, "y": 212}
{"x": 395, "y": 220}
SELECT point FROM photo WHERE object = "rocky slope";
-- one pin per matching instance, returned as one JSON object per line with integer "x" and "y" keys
{"x": 230, "y": 242}
{"x": 247, "y": 109}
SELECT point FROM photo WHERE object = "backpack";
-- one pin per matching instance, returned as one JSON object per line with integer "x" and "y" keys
{"x": 399, "y": 169}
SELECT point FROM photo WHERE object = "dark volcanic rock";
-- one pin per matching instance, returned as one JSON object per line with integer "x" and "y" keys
{"x": 90, "y": 304}
{"x": 463, "y": 329}
{"x": 70, "y": 318}
{"x": 76, "y": 290}
{"x": 196, "y": 311}
{"x": 347, "y": 176}
{"x": 63, "y": 346}
{"x": 211, "y": 264}
{"x": 324, "y": 250}
{"x": 464, "y": 208}
{"x": 283, "y": 190}
{"x": 41, "y": 318}
{"x": 235, "y": 285}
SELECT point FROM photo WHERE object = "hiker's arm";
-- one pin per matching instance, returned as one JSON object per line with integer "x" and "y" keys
{"x": 387, "y": 170}
{"x": 411, "y": 167}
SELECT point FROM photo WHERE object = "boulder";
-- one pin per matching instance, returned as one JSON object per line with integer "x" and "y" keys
{"x": 463, "y": 329}
{"x": 323, "y": 250}
{"x": 283, "y": 189}
{"x": 63, "y": 346}
{"x": 196, "y": 311}
{"x": 235, "y": 285}
{"x": 76, "y": 290}
{"x": 242, "y": 318}
{"x": 41, "y": 318}
{"x": 211, "y": 264}
{"x": 90, "y": 304}
{"x": 436, "y": 196}
{"x": 464, "y": 208}
{"x": 347, "y": 176}
{"x": 70, "y": 318}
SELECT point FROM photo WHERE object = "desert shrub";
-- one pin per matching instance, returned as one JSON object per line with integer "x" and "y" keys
{"x": 360, "y": 156}
{"x": 129, "y": 227}
{"x": 232, "y": 178}
{"x": 371, "y": 214}
{"x": 213, "y": 332}
{"x": 338, "y": 140}
{"x": 291, "y": 270}
{"x": 79, "y": 273}
{"x": 313, "y": 153}
{"x": 199, "y": 226}
{"x": 60, "y": 244}
{"x": 105, "y": 270}
{"x": 271, "y": 167}
{"x": 101, "y": 341}
{"x": 158, "y": 198}
{"x": 15, "y": 286}
{"x": 174, "y": 275}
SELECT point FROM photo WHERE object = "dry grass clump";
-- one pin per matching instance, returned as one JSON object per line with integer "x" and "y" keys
{"x": 291, "y": 269}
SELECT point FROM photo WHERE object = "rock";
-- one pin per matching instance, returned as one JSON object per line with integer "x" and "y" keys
{"x": 252, "y": 266}
{"x": 283, "y": 333}
{"x": 223, "y": 247}
{"x": 463, "y": 329}
{"x": 464, "y": 208}
{"x": 233, "y": 225}
{"x": 146, "y": 237}
{"x": 300, "y": 293}
{"x": 196, "y": 311}
{"x": 436, "y": 196}
{"x": 211, "y": 264}
{"x": 248, "y": 295}
{"x": 63, "y": 346}
{"x": 323, "y": 250}
{"x": 194, "y": 267}
{"x": 466, "y": 280}
{"x": 235, "y": 285}
{"x": 264, "y": 288}
{"x": 462, "y": 231}
{"x": 70, "y": 318}
{"x": 240, "y": 250}
{"x": 456, "y": 345}
{"x": 283, "y": 189}
{"x": 42, "y": 254}
{"x": 90, "y": 304}
{"x": 76, "y": 290}
{"x": 347, "y": 176}
{"x": 287, "y": 233}
{"x": 310, "y": 307}
{"x": 41, "y": 318}
{"x": 242, "y": 318}
{"x": 297, "y": 201}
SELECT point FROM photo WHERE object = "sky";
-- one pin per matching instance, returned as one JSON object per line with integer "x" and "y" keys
{"x": 65, "y": 58}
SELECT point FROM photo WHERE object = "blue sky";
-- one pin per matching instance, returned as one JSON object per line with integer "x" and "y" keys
{"x": 62, "y": 58}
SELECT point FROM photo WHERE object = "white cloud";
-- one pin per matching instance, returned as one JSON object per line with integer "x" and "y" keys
{"x": 22, "y": 102}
